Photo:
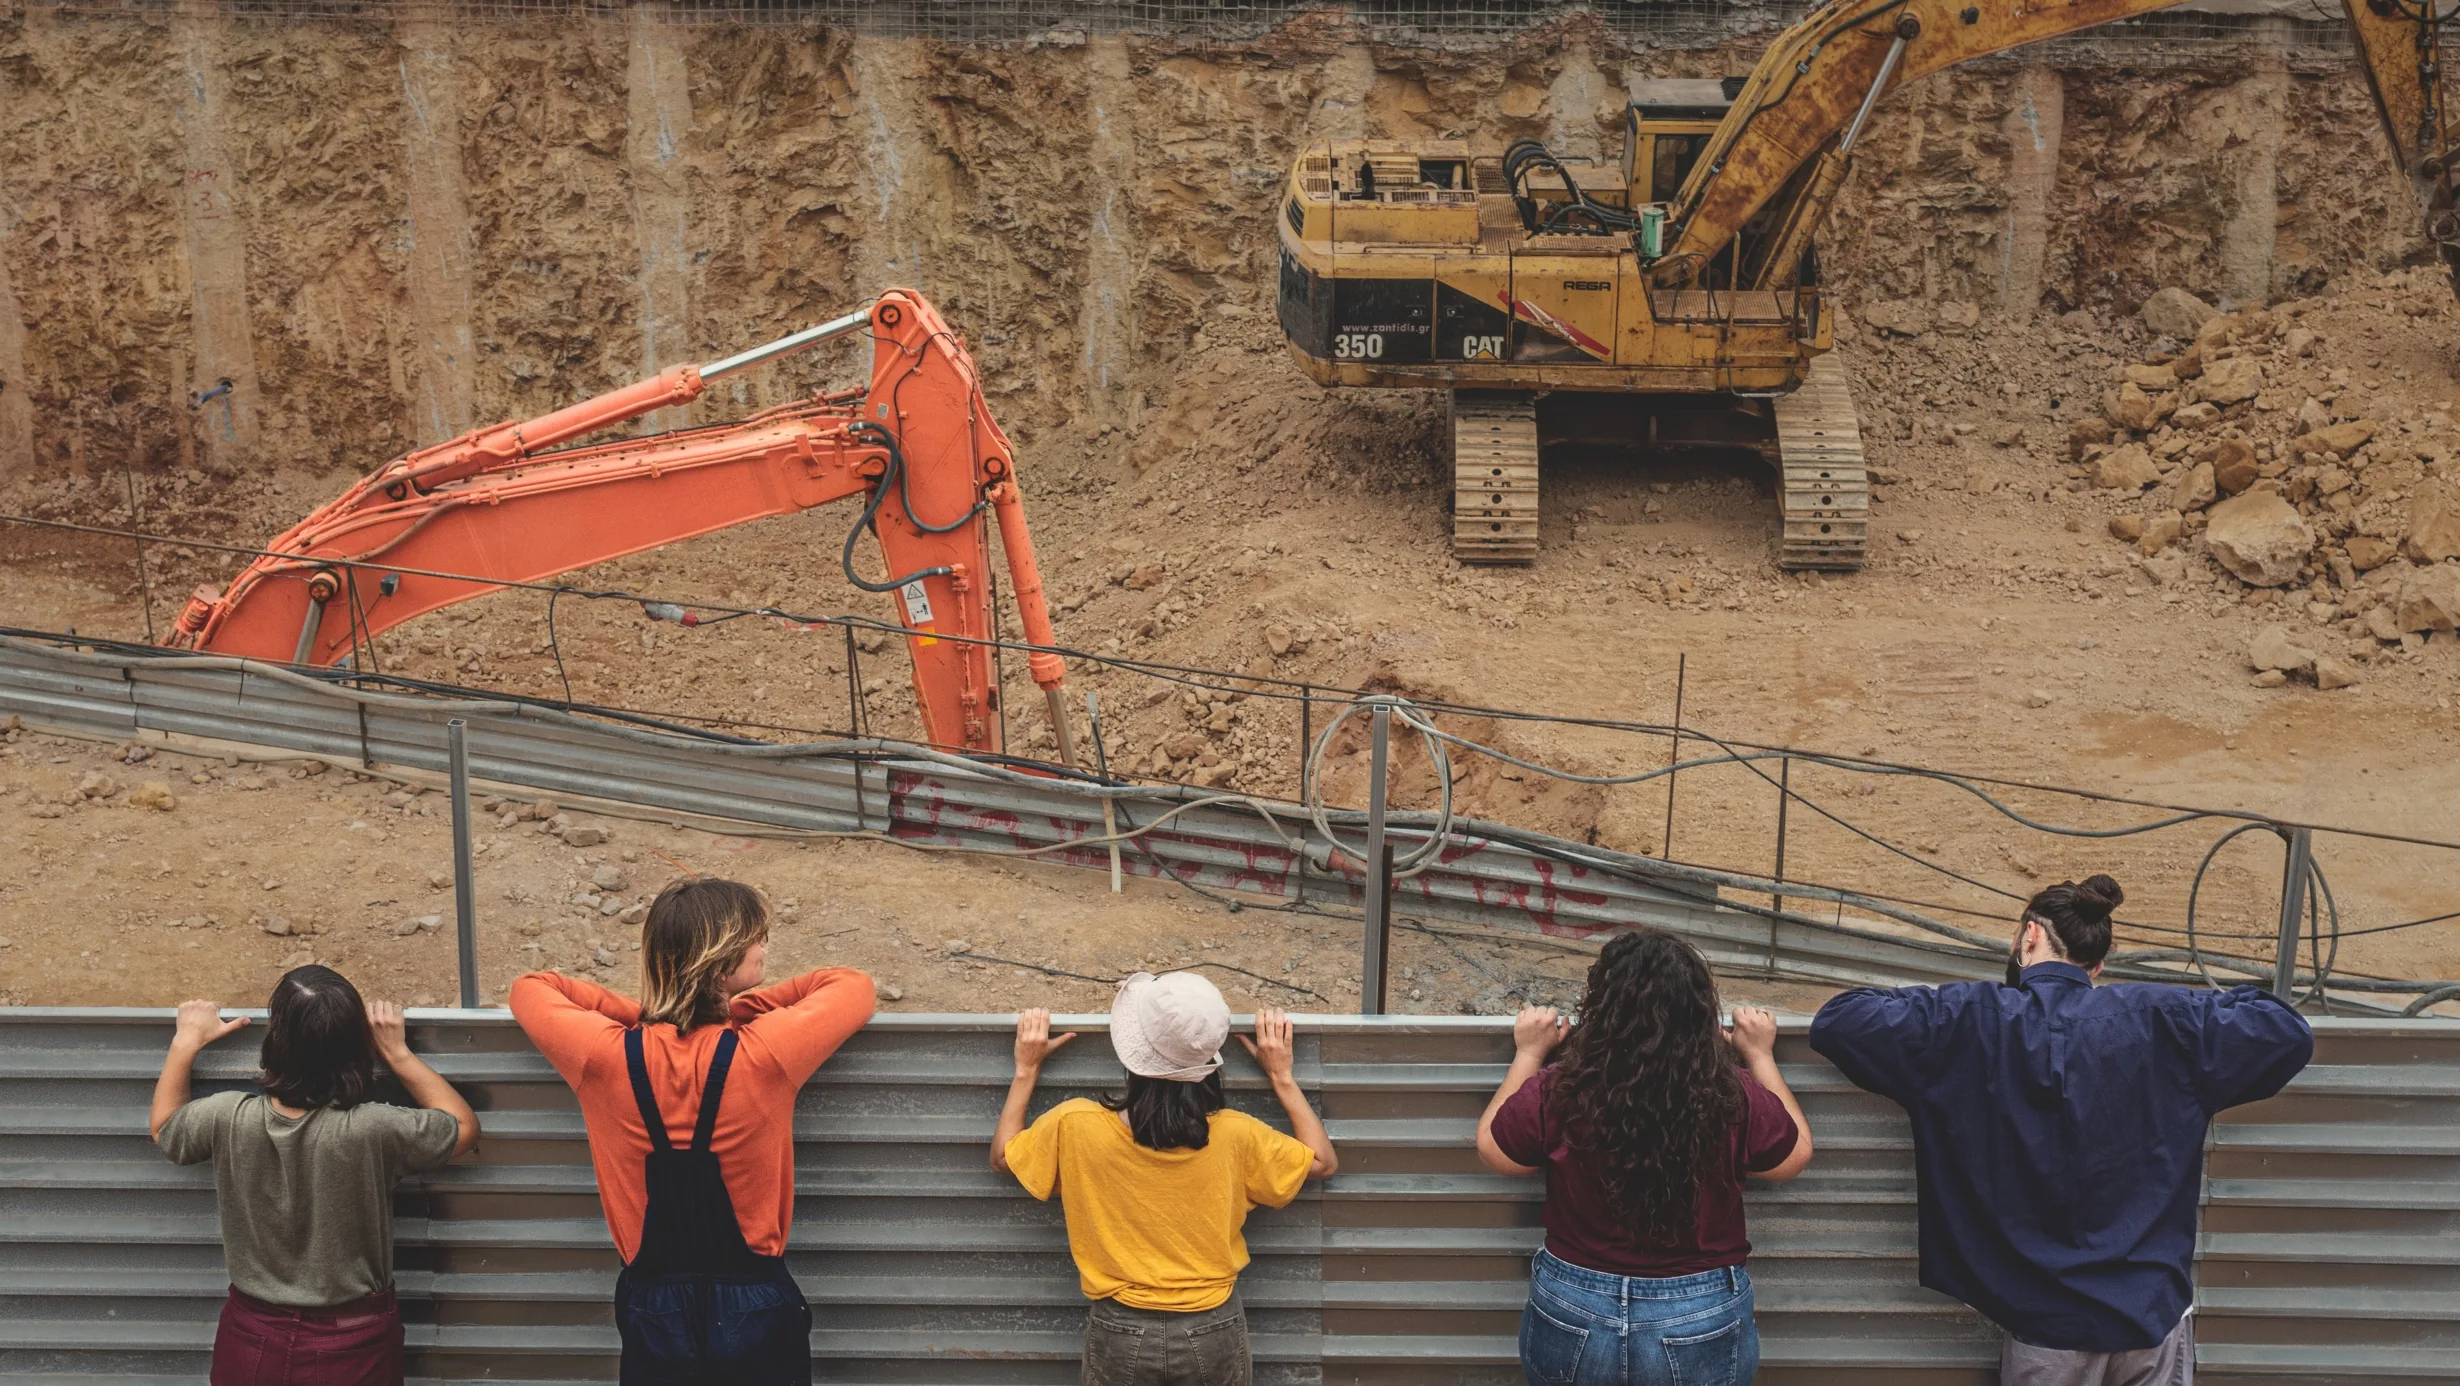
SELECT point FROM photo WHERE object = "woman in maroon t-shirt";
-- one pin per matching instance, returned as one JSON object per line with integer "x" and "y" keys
{"x": 1645, "y": 1125}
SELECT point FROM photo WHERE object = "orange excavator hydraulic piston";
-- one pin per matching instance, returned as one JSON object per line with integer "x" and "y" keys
{"x": 508, "y": 503}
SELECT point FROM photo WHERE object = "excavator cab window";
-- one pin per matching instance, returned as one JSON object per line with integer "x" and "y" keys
{"x": 1670, "y": 161}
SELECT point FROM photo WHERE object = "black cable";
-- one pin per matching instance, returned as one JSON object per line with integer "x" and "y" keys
{"x": 892, "y": 479}
{"x": 556, "y": 646}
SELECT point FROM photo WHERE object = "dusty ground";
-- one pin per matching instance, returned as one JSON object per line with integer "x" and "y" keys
{"x": 1999, "y": 630}
{"x": 579, "y": 206}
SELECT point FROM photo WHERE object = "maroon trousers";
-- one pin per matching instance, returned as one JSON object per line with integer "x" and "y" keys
{"x": 354, "y": 1344}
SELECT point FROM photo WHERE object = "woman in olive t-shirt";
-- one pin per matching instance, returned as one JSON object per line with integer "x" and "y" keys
{"x": 303, "y": 1175}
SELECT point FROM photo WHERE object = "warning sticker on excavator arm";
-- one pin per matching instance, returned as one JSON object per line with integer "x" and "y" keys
{"x": 917, "y": 604}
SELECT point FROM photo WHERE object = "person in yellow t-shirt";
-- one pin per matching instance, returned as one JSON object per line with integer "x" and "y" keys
{"x": 1156, "y": 1183}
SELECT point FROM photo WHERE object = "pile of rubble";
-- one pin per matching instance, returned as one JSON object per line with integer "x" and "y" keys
{"x": 2248, "y": 454}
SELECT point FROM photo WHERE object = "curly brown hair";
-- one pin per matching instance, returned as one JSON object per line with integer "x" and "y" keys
{"x": 1647, "y": 1085}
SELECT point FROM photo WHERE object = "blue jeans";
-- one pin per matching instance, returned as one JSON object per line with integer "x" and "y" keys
{"x": 1590, "y": 1328}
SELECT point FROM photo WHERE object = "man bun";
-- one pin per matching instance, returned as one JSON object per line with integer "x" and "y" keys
{"x": 2079, "y": 917}
{"x": 2101, "y": 892}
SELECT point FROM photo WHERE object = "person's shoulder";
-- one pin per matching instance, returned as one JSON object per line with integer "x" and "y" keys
{"x": 383, "y": 1119}
{"x": 1075, "y": 1110}
{"x": 215, "y": 1108}
{"x": 1250, "y": 1131}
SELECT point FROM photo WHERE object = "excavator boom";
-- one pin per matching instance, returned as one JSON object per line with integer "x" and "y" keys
{"x": 1784, "y": 144}
{"x": 918, "y": 445}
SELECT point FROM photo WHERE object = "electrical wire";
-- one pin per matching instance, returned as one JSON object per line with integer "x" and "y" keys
{"x": 1730, "y": 751}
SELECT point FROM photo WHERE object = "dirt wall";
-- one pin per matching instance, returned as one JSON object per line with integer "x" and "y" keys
{"x": 380, "y": 234}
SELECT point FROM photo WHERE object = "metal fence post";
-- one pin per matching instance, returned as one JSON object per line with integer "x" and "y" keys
{"x": 1785, "y": 798}
{"x": 2293, "y": 908}
{"x": 1101, "y": 766}
{"x": 1378, "y": 868}
{"x": 1674, "y": 751}
{"x": 465, "y": 899}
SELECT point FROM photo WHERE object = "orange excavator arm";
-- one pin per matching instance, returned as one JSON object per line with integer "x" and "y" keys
{"x": 919, "y": 446}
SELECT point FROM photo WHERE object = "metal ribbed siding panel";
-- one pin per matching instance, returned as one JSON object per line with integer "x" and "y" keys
{"x": 2329, "y": 1253}
{"x": 1482, "y": 882}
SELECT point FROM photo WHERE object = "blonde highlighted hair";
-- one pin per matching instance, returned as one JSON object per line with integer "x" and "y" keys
{"x": 698, "y": 931}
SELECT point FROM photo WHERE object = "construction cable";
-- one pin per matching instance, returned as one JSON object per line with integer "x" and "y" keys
{"x": 1310, "y": 796}
{"x": 1855, "y": 765}
{"x": 1978, "y": 944}
{"x": 1291, "y": 690}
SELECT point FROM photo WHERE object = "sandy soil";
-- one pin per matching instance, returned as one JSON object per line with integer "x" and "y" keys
{"x": 1999, "y": 630}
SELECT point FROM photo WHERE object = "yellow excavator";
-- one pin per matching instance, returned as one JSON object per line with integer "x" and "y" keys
{"x": 1673, "y": 301}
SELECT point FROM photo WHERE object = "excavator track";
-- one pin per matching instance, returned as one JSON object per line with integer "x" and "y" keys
{"x": 1494, "y": 477}
{"x": 1826, "y": 497}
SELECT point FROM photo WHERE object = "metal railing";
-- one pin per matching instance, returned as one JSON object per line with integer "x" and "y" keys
{"x": 2328, "y": 1249}
{"x": 1490, "y": 876}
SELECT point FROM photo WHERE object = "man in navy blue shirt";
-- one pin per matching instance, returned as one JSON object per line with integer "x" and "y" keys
{"x": 2058, "y": 1137}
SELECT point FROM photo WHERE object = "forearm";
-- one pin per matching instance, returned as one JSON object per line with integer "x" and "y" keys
{"x": 1306, "y": 1125}
{"x": 1012, "y": 1116}
{"x": 171, "y": 1089}
{"x": 428, "y": 1088}
{"x": 1764, "y": 1069}
{"x": 1525, "y": 1066}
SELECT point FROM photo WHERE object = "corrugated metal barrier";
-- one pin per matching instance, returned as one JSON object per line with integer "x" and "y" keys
{"x": 1493, "y": 875}
{"x": 2329, "y": 1252}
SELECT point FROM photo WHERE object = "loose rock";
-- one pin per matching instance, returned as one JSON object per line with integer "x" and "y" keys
{"x": 2084, "y": 435}
{"x": 2260, "y": 538}
{"x": 2176, "y": 313}
{"x": 2428, "y": 599}
{"x": 584, "y": 836}
{"x": 276, "y": 925}
{"x": 2234, "y": 381}
{"x": 2367, "y": 553}
{"x": 608, "y": 877}
{"x": 2233, "y": 466}
{"x": 2434, "y": 524}
{"x": 2130, "y": 408}
{"x": 2126, "y": 528}
{"x": 2194, "y": 489}
{"x": 2273, "y": 649}
{"x": 2331, "y": 672}
{"x": 153, "y": 794}
{"x": 2160, "y": 532}
{"x": 2130, "y": 468}
{"x": 2334, "y": 440}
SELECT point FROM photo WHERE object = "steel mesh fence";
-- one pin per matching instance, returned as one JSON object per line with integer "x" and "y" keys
{"x": 1644, "y": 23}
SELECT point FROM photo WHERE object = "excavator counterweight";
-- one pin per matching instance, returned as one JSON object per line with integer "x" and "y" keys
{"x": 508, "y": 504}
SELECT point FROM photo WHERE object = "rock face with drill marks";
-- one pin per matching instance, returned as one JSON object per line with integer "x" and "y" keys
{"x": 2260, "y": 538}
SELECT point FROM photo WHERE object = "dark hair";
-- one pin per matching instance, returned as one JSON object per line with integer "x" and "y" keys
{"x": 2078, "y": 916}
{"x": 698, "y": 931}
{"x": 1169, "y": 1114}
{"x": 1646, "y": 1085}
{"x": 319, "y": 1051}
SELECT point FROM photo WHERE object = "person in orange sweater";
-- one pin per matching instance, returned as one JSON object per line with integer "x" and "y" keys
{"x": 688, "y": 1095}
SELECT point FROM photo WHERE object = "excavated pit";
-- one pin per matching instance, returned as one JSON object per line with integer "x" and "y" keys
{"x": 383, "y": 233}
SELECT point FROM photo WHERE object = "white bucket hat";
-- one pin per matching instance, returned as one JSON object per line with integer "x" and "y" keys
{"x": 1171, "y": 1026}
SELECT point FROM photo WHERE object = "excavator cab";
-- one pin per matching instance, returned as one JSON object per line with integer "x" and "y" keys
{"x": 1666, "y": 126}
